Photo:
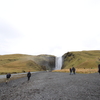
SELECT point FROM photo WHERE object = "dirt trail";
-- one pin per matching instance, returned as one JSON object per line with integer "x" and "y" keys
{"x": 53, "y": 86}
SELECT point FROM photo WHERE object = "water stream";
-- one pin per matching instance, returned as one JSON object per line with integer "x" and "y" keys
{"x": 58, "y": 63}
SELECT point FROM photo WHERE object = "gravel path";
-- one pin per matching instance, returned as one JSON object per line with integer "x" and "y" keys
{"x": 53, "y": 86}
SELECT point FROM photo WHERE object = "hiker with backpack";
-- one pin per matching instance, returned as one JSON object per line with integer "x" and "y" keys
{"x": 28, "y": 75}
{"x": 8, "y": 77}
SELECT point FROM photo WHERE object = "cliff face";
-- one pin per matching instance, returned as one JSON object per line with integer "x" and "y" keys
{"x": 81, "y": 59}
{"x": 45, "y": 60}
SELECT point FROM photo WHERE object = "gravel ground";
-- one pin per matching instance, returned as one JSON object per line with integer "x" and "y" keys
{"x": 53, "y": 86}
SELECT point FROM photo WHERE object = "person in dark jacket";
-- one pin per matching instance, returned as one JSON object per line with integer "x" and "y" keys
{"x": 28, "y": 75}
{"x": 70, "y": 71}
{"x": 99, "y": 68}
{"x": 73, "y": 70}
{"x": 8, "y": 77}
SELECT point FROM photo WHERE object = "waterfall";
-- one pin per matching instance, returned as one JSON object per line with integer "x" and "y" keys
{"x": 58, "y": 63}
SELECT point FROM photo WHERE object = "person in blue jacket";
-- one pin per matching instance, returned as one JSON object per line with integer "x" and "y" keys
{"x": 70, "y": 71}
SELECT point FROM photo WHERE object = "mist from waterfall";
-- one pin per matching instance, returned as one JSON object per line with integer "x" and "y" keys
{"x": 58, "y": 63}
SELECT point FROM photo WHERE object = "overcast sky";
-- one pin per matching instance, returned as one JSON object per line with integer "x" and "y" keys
{"x": 49, "y": 26}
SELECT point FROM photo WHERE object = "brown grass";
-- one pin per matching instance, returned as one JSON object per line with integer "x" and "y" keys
{"x": 18, "y": 63}
{"x": 79, "y": 70}
{"x": 18, "y": 69}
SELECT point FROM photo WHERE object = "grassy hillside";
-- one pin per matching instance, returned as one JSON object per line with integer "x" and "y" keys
{"x": 81, "y": 59}
{"x": 22, "y": 63}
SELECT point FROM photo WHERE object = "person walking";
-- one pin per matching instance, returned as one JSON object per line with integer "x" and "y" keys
{"x": 73, "y": 70}
{"x": 28, "y": 75}
{"x": 99, "y": 68}
{"x": 8, "y": 75}
{"x": 70, "y": 71}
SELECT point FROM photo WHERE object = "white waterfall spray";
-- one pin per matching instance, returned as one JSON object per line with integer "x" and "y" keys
{"x": 58, "y": 63}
